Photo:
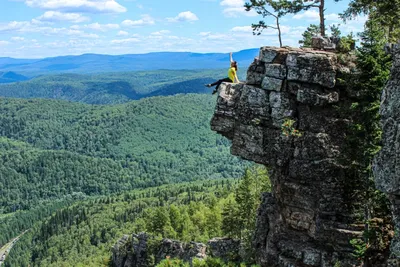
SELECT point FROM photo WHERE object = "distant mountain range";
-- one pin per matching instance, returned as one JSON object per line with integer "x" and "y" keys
{"x": 115, "y": 87}
{"x": 94, "y": 63}
{"x": 10, "y": 77}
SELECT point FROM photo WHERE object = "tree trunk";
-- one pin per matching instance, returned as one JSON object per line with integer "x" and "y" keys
{"x": 279, "y": 31}
{"x": 322, "y": 17}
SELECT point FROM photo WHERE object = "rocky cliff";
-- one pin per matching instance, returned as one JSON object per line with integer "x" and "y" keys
{"x": 387, "y": 163}
{"x": 287, "y": 117}
{"x": 144, "y": 250}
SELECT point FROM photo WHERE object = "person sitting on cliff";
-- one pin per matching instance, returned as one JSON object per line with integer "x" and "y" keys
{"x": 232, "y": 76}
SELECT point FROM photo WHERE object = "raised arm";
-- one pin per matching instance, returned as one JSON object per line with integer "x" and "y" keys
{"x": 230, "y": 57}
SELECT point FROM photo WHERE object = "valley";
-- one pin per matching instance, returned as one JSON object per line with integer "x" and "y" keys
{"x": 57, "y": 154}
{"x": 7, "y": 248}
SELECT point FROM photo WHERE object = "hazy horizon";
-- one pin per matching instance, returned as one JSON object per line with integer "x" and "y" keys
{"x": 43, "y": 28}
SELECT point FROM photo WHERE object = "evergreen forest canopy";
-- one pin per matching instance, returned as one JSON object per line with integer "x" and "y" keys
{"x": 51, "y": 149}
{"x": 114, "y": 88}
{"x": 57, "y": 157}
{"x": 54, "y": 153}
{"x": 81, "y": 234}
{"x": 10, "y": 77}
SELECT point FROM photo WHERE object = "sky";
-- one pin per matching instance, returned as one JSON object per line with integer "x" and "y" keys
{"x": 48, "y": 28}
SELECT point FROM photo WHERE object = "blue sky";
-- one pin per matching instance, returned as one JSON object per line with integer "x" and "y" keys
{"x": 46, "y": 28}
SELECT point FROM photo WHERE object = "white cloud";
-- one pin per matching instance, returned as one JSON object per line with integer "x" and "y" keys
{"x": 162, "y": 37}
{"x": 267, "y": 31}
{"x": 53, "y": 16}
{"x": 68, "y": 32}
{"x": 18, "y": 26}
{"x": 82, "y": 6}
{"x": 17, "y": 39}
{"x": 242, "y": 29}
{"x": 313, "y": 15}
{"x": 125, "y": 41}
{"x": 162, "y": 32}
{"x": 184, "y": 16}
{"x": 145, "y": 20}
{"x": 122, "y": 33}
{"x": 204, "y": 33}
{"x": 307, "y": 15}
{"x": 235, "y": 8}
{"x": 4, "y": 42}
{"x": 355, "y": 25}
{"x": 96, "y": 26}
{"x": 332, "y": 17}
{"x": 77, "y": 33}
{"x": 219, "y": 36}
{"x": 33, "y": 27}
{"x": 102, "y": 27}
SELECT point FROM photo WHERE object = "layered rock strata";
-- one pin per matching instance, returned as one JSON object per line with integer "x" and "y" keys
{"x": 307, "y": 219}
{"x": 387, "y": 163}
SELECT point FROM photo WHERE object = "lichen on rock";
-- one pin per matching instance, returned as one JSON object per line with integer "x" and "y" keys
{"x": 386, "y": 164}
{"x": 306, "y": 220}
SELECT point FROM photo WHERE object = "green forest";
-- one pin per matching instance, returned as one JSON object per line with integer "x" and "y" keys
{"x": 115, "y": 88}
{"x": 82, "y": 234}
{"x": 50, "y": 149}
{"x": 85, "y": 159}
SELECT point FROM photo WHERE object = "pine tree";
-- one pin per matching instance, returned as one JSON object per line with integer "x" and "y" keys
{"x": 364, "y": 134}
{"x": 296, "y": 6}
{"x": 308, "y": 34}
{"x": 385, "y": 14}
{"x": 231, "y": 218}
{"x": 260, "y": 6}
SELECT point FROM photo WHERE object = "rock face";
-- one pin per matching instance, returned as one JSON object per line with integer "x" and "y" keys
{"x": 224, "y": 248}
{"x": 307, "y": 219}
{"x": 120, "y": 252}
{"x": 177, "y": 249}
{"x": 386, "y": 165}
{"x": 143, "y": 250}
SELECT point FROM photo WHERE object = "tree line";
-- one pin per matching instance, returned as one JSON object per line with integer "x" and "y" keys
{"x": 82, "y": 233}
{"x": 50, "y": 149}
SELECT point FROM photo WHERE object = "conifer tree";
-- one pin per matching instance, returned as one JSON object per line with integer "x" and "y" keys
{"x": 260, "y": 6}
{"x": 295, "y": 6}
{"x": 230, "y": 219}
{"x": 364, "y": 134}
{"x": 383, "y": 13}
{"x": 312, "y": 30}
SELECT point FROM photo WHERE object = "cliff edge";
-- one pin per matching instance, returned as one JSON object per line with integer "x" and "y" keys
{"x": 287, "y": 117}
{"x": 387, "y": 162}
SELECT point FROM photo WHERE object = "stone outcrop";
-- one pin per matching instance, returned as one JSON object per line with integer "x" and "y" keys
{"x": 387, "y": 163}
{"x": 143, "y": 250}
{"x": 307, "y": 219}
{"x": 330, "y": 44}
{"x": 224, "y": 248}
{"x": 177, "y": 249}
{"x": 120, "y": 252}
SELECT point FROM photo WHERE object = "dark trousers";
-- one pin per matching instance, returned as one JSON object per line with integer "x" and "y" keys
{"x": 218, "y": 83}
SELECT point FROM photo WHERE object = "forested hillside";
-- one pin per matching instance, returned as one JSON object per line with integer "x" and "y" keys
{"x": 113, "y": 88}
{"x": 53, "y": 148}
{"x": 82, "y": 234}
{"x": 9, "y": 77}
